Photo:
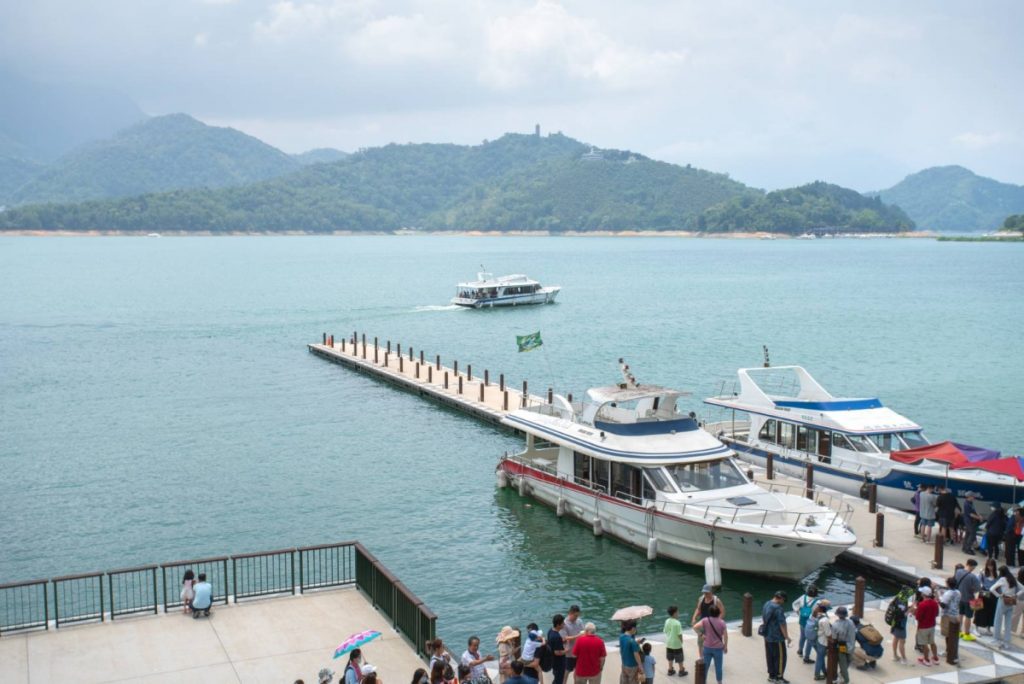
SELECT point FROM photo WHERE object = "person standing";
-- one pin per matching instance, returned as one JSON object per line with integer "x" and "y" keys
{"x": 984, "y": 618}
{"x": 949, "y": 611}
{"x": 803, "y": 607}
{"x": 674, "y": 642}
{"x": 647, "y": 663}
{"x": 1005, "y": 590}
{"x": 971, "y": 521}
{"x": 995, "y": 528}
{"x": 926, "y": 612}
{"x": 629, "y": 652}
{"x": 845, "y": 634}
{"x": 704, "y": 603}
{"x": 716, "y": 640}
{"x": 899, "y": 632}
{"x": 506, "y": 641}
{"x": 928, "y": 507}
{"x": 590, "y": 655}
{"x": 1014, "y": 532}
{"x": 472, "y": 659}
{"x": 946, "y": 507}
{"x": 353, "y": 673}
{"x": 187, "y": 592}
{"x": 557, "y": 647}
{"x": 916, "y": 501}
{"x": 571, "y": 630}
{"x": 969, "y": 584}
{"x": 776, "y": 637}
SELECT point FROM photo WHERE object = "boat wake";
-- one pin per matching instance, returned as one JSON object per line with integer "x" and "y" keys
{"x": 438, "y": 307}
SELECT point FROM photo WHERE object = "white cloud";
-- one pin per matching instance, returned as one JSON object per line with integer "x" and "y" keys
{"x": 978, "y": 141}
{"x": 399, "y": 40}
{"x": 289, "y": 19}
{"x": 545, "y": 42}
{"x": 201, "y": 39}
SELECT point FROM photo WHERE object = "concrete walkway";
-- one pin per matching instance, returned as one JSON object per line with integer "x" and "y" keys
{"x": 275, "y": 641}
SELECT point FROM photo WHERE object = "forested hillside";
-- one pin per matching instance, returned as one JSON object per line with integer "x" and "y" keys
{"x": 953, "y": 198}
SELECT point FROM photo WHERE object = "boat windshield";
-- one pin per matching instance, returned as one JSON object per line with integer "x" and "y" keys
{"x": 698, "y": 477}
{"x": 854, "y": 443}
{"x": 913, "y": 439}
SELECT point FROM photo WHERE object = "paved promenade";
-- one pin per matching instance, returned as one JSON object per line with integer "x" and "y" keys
{"x": 275, "y": 641}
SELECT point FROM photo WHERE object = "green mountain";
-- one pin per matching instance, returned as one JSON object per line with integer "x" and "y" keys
{"x": 816, "y": 206}
{"x": 516, "y": 182}
{"x": 14, "y": 173}
{"x": 1014, "y": 222}
{"x": 953, "y": 198}
{"x": 161, "y": 153}
{"x": 321, "y": 155}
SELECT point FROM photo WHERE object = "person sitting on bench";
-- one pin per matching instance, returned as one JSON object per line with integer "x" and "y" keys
{"x": 203, "y": 600}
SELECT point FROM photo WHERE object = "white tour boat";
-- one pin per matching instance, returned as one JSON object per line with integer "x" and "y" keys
{"x": 628, "y": 463}
{"x": 510, "y": 290}
{"x": 851, "y": 442}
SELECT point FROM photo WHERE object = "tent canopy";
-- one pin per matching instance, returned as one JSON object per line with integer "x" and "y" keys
{"x": 953, "y": 453}
{"x": 1011, "y": 465}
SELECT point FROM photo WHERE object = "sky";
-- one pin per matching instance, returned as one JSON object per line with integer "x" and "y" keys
{"x": 775, "y": 94}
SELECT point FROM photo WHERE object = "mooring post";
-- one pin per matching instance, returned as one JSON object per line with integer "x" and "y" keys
{"x": 376, "y": 349}
{"x": 873, "y": 498}
{"x": 460, "y": 384}
{"x": 940, "y": 543}
{"x": 421, "y": 357}
{"x": 446, "y": 379}
{"x": 410, "y": 355}
{"x": 355, "y": 337}
{"x": 389, "y": 346}
{"x": 398, "y": 347}
{"x": 325, "y": 339}
{"x": 455, "y": 367}
{"x": 832, "y": 662}
{"x": 952, "y": 641}
{"x": 699, "y": 675}
{"x": 387, "y": 359}
{"x": 487, "y": 377}
{"x": 481, "y": 393}
{"x": 343, "y": 346}
{"x": 401, "y": 365}
{"x": 569, "y": 398}
{"x": 747, "y": 628}
{"x": 501, "y": 382}
{"x": 810, "y": 481}
{"x": 364, "y": 340}
{"x": 417, "y": 370}
{"x": 430, "y": 374}
{"x": 769, "y": 466}
{"x": 551, "y": 396}
{"x": 505, "y": 403}
{"x": 859, "y": 585}
{"x": 437, "y": 360}
{"x": 469, "y": 372}
{"x": 879, "y": 529}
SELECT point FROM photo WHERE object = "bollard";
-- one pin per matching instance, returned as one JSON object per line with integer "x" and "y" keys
{"x": 469, "y": 372}
{"x": 769, "y": 466}
{"x": 940, "y": 543}
{"x": 952, "y": 640}
{"x": 879, "y": 529}
{"x": 398, "y": 348}
{"x": 873, "y": 498}
{"x": 481, "y": 393}
{"x": 832, "y": 662}
{"x": 401, "y": 365}
{"x": 421, "y": 357}
{"x": 417, "y": 370}
{"x": 343, "y": 345}
{"x": 810, "y": 481}
{"x": 525, "y": 393}
{"x": 376, "y": 349}
{"x": 460, "y": 384}
{"x": 746, "y": 629}
{"x": 446, "y": 379}
{"x": 430, "y": 374}
{"x": 501, "y": 382}
{"x": 389, "y": 346}
{"x": 551, "y": 395}
{"x": 325, "y": 339}
{"x": 437, "y": 360}
{"x": 455, "y": 367}
{"x": 487, "y": 377}
{"x": 699, "y": 675}
{"x": 859, "y": 585}
{"x": 410, "y": 355}
{"x": 387, "y": 359}
{"x": 504, "y": 406}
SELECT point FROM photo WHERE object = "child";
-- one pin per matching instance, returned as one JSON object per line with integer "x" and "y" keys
{"x": 899, "y": 633}
{"x": 648, "y": 663}
{"x": 187, "y": 591}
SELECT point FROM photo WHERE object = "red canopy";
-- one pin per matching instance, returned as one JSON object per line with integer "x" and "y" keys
{"x": 1012, "y": 465}
{"x": 946, "y": 452}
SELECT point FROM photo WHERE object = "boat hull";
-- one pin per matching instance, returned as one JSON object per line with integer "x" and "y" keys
{"x": 681, "y": 539}
{"x": 542, "y": 297}
{"x": 895, "y": 488}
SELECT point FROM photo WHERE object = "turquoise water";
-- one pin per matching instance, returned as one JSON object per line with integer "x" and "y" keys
{"x": 157, "y": 401}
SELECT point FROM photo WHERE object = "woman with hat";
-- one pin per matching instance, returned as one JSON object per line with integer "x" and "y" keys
{"x": 704, "y": 603}
{"x": 507, "y": 641}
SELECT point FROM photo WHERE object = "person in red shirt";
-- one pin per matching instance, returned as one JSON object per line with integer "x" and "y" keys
{"x": 590, "y": 653}
{"x": 926, "y": 612}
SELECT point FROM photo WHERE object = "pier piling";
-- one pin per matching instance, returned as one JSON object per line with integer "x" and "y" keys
{"x": 446, "y": 379}
{"x": 769, "y": 466}
{"x": 398, "y": 347}
{"x": 343, "y": 345}
{"x": 501, "y": 384}
{"x": 879, "y": 529}
{"x": 389, "y": 346}
{"x": 469, "y": 372}
{"x": 410, "y": 355}
{"x": 832, "y": 662}
{"x": 940, "y": 544}
{"x": 421, "y": 357}
{"x": 387, "y": 358}
{"x": 455, "y": 367}
{"x": 325, "y": 339}
{"x": 437, "y": 360}
{"x": 481, "y": 393}
{"x": 401, "y": 364}
{"x": 873, "y": 498}
{"x": 504, "y": 405}
{"x": 809, "y": 492}
{"x": 460, "y": 384}
{"x": 430, "y": 374}
{"x": 747, "y": 628}
{"x": 859, "y": 585}
{"x": 699, "y": 675}
{"x": 487, "y": 378}
{"x": 417, "y": 370}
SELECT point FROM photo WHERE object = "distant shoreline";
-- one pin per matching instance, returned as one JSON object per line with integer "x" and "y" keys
{"x": 456, "y": 233}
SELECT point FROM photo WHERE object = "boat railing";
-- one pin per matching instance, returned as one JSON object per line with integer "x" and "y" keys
{"x": 730, "y": 428}
{"x": 761, "y": 517}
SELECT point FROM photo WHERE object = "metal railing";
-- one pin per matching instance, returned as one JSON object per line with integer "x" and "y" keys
{"x": 265, "y": 573}
{"x": 95, "y": 596}
{"x": 24, "y": 605}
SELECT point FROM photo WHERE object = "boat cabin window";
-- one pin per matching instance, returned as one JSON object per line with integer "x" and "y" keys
{"x": 824, "y": 445}
{"x": 913, "y": 439}
{"x": 767, "y": 432}
{"x": 581, "y": 468}
{"x": 854, "y": 443}
{"x": 697, "y": 477}
{"x": 626, "y": 482}
{"x": 601, "y": 474}
{"x": 887, "y": 442}
{"x": 786, "y": 434}
{"x": 660, "y": 480}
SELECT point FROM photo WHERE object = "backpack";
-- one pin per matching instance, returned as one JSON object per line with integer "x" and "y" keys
{"x": 545, "y": 656}
{"x": 898, "y": 607}
{"x": 870, "y": 634}
{"x": 806, "y": 610}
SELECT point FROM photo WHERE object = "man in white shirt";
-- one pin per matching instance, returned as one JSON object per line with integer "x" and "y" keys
{"x": 571, "y": 631}
{"x": 475, "y": 662}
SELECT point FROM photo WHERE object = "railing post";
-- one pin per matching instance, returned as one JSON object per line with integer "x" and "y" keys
{"x": 163, "y": 574}
{"x": 747, "y": 627}
{"x": 234, "y": 578}
{"x": 292, "y": 558}
{"x": 302, "y": 573}
{"x": 879, "y": 529}
{"x": 810, "y": 481}
{"x": 940, "y": 543}
{"x": 56, "y": 608}
{"x": 873, "y": 498}
{"x": 769, "y": 466}
{"x": 101, "y": 600}
{"x": 46, "y": 605}
{"x": 858, "y": 597}
{"x": 110, "y": 584}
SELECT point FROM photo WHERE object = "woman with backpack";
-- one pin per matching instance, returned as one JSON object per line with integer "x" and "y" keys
{"x": 803, "y": 607}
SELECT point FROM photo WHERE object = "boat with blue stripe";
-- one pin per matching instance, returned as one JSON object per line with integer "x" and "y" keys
{"x": 488, "y": 291}
{"x": 851, "y": 442}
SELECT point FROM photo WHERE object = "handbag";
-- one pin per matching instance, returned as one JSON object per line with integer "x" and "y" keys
{"x": 1009, "y": 600}
{"x": 976, "y": 603}
{"x": 762, "y": 629}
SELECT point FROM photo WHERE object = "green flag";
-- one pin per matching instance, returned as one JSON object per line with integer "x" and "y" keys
{"x": 529, "y": 342}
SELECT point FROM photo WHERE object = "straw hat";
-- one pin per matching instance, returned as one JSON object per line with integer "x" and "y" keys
{"x": 506, "y": 634}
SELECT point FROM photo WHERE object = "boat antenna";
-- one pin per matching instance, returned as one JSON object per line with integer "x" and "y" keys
{"x": 767, "y": 363}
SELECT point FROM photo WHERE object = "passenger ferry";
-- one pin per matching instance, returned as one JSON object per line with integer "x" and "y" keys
{"x": 783, "y": 411}
{"x": 628, "y": 463}
{"x": 510, "y": 290}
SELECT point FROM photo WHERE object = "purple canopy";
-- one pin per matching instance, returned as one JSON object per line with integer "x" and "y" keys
{"x": 975, "y": 454}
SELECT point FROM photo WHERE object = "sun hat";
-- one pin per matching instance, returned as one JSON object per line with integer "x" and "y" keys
{"x": 367, "y": 669}
{"x": 506, "y": 634}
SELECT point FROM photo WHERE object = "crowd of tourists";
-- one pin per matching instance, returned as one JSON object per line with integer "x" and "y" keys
{"x": 999, "y": 533}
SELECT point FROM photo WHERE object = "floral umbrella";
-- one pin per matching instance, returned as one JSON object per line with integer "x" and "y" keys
{"x": 355, "y": 641}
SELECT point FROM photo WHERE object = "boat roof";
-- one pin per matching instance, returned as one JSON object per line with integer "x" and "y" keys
{"x": 603, "y": 395}
{"x": 488, "y": 280}
{"x": 799, "y": 398}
